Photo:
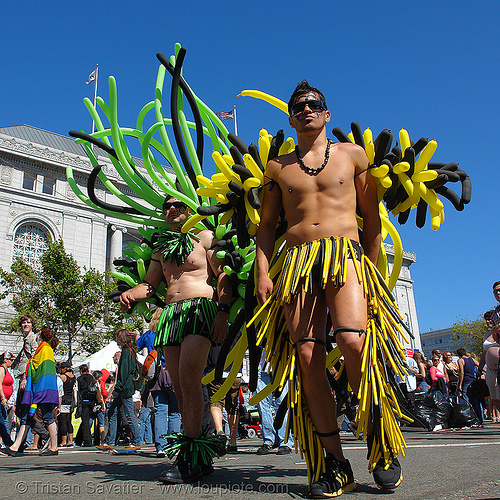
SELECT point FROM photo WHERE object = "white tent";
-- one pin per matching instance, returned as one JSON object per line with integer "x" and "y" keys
{"x": 104, "y": 358}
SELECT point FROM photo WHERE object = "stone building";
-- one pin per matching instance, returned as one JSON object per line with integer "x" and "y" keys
{"x": 38, "y": 205}
{"x": 442, "y": 339}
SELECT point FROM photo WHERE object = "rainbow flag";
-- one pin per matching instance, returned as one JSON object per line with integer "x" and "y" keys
{"x": 41, "y": 377}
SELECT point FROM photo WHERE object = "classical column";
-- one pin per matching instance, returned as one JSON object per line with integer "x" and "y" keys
{"x": 116, "y": 245}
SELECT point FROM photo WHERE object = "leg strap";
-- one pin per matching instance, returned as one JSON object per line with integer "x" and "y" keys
{"x": 327, "y": 434}
{"x": 341, "y": 330}
{"x": 309, "y": 339}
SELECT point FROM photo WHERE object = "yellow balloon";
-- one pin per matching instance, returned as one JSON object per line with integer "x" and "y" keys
{"x": 221, "y": 198}
{"x": 264, "y": 147}
{"x": 369, "y": 146}
{"x": 425, "y": 156}
{"x": 386, "y": 182}
{"x": 253, "y": 215}
{"x": 222, "y": 165}
{"x": 407, "y": 184}
{"x": 287, "y": 147}
{"x": 435, "y": 219}
{"x": 380, "y": 171}
{"x": 228, "y": 159}
{"x": 404, "y": 140}
{"x": 207, "y": 192}
{"x": 205, "y": 181}
{"x": 402, "y": 166}
{"x": 189, "y": 224}
{"x": 251, "y": 183}
{"x": 253, "y": 167}
{"x": 429, "y": 196}
{"x": 225, "y": 217}
{"x": 424, "y": 176}
{"x": 265, "y": 97}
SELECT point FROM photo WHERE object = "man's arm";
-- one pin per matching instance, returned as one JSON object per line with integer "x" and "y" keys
{"x": 145, "y": 289}
{"x": 460, "y": 364}
{"x": 412, "y": 367}
{"x": 220, "y": 325}
{"x": 367, "y": 200}
{"x": 266, "y": 234}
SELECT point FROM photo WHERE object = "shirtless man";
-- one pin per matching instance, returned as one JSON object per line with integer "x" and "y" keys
{"x": 320, "y": 186}
{"x": 191, "y": 320}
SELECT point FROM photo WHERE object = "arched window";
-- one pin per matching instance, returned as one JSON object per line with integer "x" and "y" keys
{"x": 30, "y": 241}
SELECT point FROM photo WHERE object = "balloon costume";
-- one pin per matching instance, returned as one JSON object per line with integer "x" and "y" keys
{"x": 228, "y": 203}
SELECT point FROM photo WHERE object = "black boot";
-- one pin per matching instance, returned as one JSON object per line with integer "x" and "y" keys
{"x": 182, "y": 472}
{"x": 194, "y": 458}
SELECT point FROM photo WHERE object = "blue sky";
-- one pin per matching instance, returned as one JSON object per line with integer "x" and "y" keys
{"x": 430, "y": 67}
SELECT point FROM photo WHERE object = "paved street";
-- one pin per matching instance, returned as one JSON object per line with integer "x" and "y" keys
{"x": 444, "y": 465}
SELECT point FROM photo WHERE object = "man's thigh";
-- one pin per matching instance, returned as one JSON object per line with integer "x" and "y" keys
{"x": 306, "y": 315}
{"x": 347, "y": 304}
{"x": 193, "y": 357}
{"x": 172, "y": 355}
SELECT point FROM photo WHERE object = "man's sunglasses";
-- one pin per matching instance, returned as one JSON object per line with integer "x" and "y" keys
{"x": 176, "y": 204}
{"x": 314, "y": 105}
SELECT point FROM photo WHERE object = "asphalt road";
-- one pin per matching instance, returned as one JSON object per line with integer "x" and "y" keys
{"x": 458, "y": 465}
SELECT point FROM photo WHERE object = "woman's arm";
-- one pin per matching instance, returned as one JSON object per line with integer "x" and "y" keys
{"x": 3, "y": 399}
{"x": 482, "y": 362}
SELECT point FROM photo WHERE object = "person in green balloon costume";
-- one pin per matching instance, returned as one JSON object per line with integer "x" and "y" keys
{"x": 195, "y": 317}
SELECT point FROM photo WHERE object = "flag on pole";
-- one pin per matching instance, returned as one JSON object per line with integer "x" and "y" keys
{"x": 226, "y": 115}
{"x": 92, "y": 77}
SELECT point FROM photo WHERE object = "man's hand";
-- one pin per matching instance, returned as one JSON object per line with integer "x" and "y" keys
{"x": 264, "y": 287}
{"x": 126, "y": 298}
{"x": 220, "y": 327}
{"x": 22, "y": 384}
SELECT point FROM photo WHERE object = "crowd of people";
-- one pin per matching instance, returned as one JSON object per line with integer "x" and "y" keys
{"x": 108, "y": 408}
{"x": 452, "y": 376}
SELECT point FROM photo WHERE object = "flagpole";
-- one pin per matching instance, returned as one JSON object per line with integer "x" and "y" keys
{"x": 95, "y": 93}
{"x": 235, "y": 125}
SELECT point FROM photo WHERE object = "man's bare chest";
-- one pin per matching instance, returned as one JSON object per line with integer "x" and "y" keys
{"x": 334, "y": 179}
{"x": 195, "y": 262}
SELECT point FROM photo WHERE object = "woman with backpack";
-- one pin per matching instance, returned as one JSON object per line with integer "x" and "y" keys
{"x": 122, "y": 393}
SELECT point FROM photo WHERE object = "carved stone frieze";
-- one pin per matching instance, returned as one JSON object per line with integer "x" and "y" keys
{"x": 43, "y": 152}
{"x": 6, "y": 175}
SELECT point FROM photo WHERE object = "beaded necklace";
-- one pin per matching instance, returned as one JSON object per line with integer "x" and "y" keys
{"x": 314, "y": 171}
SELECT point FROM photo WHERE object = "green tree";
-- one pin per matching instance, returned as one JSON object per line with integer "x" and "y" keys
{"x": 73, "y": 303}
{"x": 469, "y": 334}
